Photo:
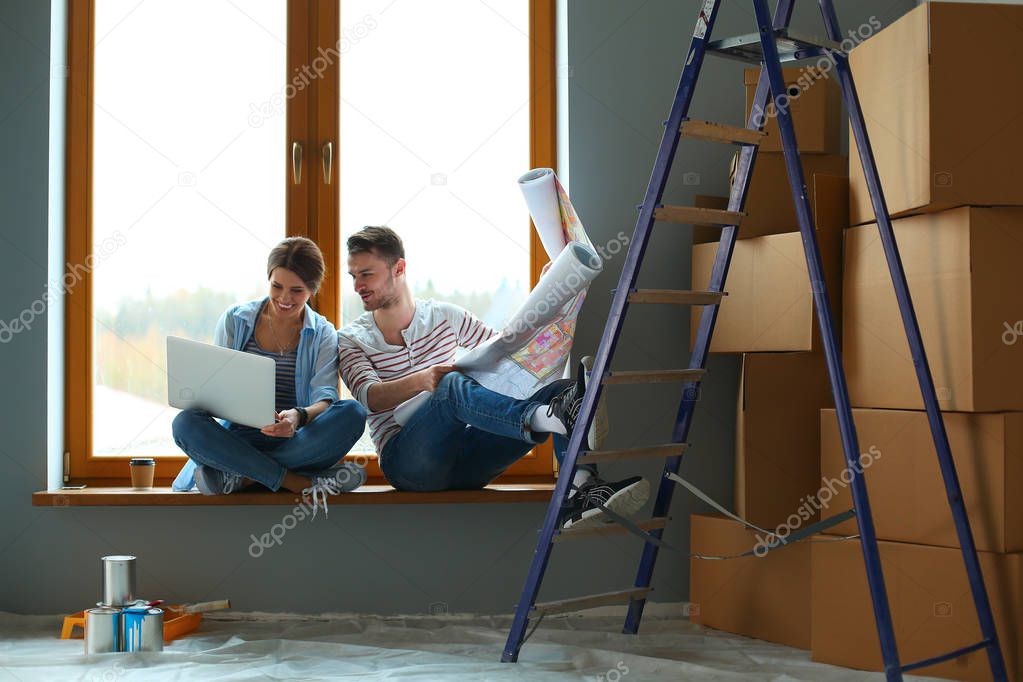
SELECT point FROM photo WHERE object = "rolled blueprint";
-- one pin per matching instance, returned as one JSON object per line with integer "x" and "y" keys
{"x": 532, "y": 348}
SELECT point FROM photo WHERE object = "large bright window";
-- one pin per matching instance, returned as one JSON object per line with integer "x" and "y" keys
{"x": 187, "y": 195}
{"x": 202, "y": 132}
{"x": 434, "y": 112}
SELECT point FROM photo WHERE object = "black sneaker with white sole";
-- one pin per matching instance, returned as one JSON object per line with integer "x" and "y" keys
{"x": 625, "y": 498}
{"x": 566, "y": 405}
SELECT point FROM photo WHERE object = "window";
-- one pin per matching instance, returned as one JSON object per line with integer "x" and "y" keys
{"x": 203, "y": 132}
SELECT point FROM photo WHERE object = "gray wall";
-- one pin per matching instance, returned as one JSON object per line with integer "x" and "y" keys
{"x": 623, "y": 60}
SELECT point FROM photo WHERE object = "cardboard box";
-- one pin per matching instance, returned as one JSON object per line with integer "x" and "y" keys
{"x": 769, "y": 206}
{"x": 931, "y": 607}
{"x": 941, "y": 115}
{"x": 907, "y": 494}
{"x": 763, "y": 597}
{"x": 777, "y": 436}
{"x": 769, "y": 306}
{"x": 816, "y": 106}
{"x": 963, "y": 268}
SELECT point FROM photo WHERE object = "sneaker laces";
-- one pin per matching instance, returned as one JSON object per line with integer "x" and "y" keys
{"x": 567, "y": 403}
{"x": 319, "y": 491}
{"x": 231, "y": 483}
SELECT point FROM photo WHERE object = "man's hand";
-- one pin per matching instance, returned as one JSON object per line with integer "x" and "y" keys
{"x": 285, "y": 425}
{"x": 546, "y": 268}
{"x": 431, "y": 376}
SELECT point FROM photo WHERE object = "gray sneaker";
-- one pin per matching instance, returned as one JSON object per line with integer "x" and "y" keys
{"x": 212, "y": 481}
{"x": 340, "y": 478}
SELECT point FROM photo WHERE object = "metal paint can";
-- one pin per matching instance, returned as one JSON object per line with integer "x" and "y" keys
{"x": 118, "y": 580}
{"x": 143, "y": 629}
{"x": 102, "y": 630}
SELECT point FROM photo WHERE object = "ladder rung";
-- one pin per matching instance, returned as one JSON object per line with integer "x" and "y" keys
{"x": 676, "y": 296}
{"x": 580, "y": 603}
{"x": 791, "y": 46}
{"x": 694, "y": 215}
{"x": 656, "y": 451}
{"x": 946, "y": 657}
{"x": 655, "y": 376}
{"x": 719, "y": 132}
{"x": 608, "y": 529}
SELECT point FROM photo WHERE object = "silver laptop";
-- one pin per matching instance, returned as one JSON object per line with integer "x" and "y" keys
{"x": 229, "y": 384}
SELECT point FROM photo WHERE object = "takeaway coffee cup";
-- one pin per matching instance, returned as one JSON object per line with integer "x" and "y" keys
{"x": 142, "y": 470}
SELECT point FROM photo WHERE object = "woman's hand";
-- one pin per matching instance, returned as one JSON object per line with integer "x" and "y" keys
{"x": 546, "y": 268}
{"x": 284, "y": 427}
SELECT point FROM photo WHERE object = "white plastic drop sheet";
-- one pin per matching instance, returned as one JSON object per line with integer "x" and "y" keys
{"x": 430, "y": 649}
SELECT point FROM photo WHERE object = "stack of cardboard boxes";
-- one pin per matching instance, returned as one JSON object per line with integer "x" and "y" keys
{"x": 769, "y": 318}
{"x": 943, "y": 130}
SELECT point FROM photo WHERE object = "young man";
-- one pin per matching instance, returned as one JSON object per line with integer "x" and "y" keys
{"x": 466, "y": 435}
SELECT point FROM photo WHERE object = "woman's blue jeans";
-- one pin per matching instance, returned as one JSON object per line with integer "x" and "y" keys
{"x": 246, "y": 451}
{"x": 465, "y": 437}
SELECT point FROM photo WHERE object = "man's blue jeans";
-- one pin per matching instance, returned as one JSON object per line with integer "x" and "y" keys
{"x": 465, "y": 437}
{"x": 246, "y": 451}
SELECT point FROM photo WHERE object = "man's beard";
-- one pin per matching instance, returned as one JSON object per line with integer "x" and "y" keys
{"x": 386, "y": 300}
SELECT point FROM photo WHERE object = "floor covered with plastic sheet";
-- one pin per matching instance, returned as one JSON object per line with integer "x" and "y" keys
{"x": 237, "y": 646}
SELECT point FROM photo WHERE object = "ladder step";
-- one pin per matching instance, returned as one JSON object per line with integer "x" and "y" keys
{"x": 676, "y": 296}
{"x": 694, "y": 215}
{"x": 656, "y": 451}
{"x": 608, "y": 529}
{"x": 656, "y": 376}
{"x": 719, "y": 132}
{"x": 982, "y": 644}
{"x": 580, "y": 603}
{"x": 792, "y": 47}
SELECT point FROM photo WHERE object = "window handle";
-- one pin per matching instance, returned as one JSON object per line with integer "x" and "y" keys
{"x": 328, "y": 161}
{"x": 296, "y": 162}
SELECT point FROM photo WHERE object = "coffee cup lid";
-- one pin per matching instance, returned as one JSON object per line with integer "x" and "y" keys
{"x": 142, "y": 461}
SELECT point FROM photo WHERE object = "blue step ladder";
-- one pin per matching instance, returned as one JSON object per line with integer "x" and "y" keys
{"x": 771, "y": 45}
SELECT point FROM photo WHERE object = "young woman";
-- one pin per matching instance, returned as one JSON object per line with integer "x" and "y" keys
{"x": 313, "y": 429}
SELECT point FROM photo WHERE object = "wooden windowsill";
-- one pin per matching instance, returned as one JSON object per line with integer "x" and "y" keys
{"x": 368, "y": 494}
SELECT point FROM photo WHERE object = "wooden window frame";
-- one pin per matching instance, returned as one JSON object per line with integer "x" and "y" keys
{"x": 311, "y": 208}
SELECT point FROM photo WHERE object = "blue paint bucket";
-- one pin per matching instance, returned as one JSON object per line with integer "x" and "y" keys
{"x": 143, "y": 629}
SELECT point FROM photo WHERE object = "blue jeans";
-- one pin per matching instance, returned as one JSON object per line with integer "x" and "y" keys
{"x": 246, "y": 451}
{"x": 465, "y": 437}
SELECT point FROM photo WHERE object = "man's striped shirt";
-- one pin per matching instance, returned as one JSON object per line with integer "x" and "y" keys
{"x": 365, "y": 358}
